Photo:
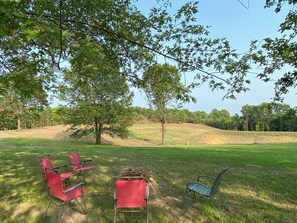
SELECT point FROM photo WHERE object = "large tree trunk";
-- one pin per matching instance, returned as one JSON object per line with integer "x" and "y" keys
{"x": 98, "y": 132}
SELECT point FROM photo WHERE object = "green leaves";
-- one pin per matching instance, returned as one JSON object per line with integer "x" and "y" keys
{"x": 94, "y": 86}
{"x": 49, "y": 33}
{"x": 278, "y": 56}
{"x": 162, "y": 85}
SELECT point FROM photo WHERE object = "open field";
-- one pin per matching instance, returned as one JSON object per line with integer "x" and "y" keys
{"x": 259, "y": 187}
{"x": 176, "y": 135}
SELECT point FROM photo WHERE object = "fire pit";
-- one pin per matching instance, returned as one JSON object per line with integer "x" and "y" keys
{"x": 133, "y": 173}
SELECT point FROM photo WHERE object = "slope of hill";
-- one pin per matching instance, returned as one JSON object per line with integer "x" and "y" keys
{"x": 149, "y": 134}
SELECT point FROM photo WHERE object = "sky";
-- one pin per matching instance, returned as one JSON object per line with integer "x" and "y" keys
{"x": 230, "y": 19}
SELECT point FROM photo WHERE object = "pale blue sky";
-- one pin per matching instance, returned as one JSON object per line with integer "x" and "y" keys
{"x": 228, "y": 18}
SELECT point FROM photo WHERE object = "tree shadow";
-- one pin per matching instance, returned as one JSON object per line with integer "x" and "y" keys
{"x": 247, "y": 198}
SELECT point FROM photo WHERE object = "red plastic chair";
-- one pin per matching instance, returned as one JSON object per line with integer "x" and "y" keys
{"x": 47, "y": 167}
{"x": 131, "y": 196}
{"x": 61, "y": 196}
{"x": 77, "y": 164}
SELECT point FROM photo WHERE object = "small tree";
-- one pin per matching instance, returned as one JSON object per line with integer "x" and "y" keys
{"x": 161, "y": 84}
{"x": 98, "y": 96}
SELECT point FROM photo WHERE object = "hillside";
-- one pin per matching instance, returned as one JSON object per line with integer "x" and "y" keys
{"x": 176, "y": 134}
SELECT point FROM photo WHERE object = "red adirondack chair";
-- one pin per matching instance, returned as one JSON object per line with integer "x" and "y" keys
{"x": 131, "y": 196}
{"x": 60, "y": 196}
{"x": 47, "y": 167}
{"x": 77, "y": 164}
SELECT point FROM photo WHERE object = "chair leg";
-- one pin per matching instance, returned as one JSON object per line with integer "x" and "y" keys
{"x": 222, "y": 200}
{"x": 212, "y": 202}
{"x": 44, "y": 215}
{"x": 66, "y": 181}
{"x": 184, "y": 195}
{"x": 61, "y": 213}
{"x": 81, "y": 176}
{"x": 115, "y": 214}
{"x": 79, "y": 173}
{"x": 146, "y": 214}
{"x": 214, "y": 208}
{"x": 41, "y": 192}
{"x": 82, "y": 206}
{"x": 84, "y": 179}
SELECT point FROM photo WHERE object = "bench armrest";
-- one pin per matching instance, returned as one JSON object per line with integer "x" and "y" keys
{"x": 208, "y": 177}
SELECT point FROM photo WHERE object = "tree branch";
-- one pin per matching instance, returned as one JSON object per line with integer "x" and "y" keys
{"x": 134, "y": 42}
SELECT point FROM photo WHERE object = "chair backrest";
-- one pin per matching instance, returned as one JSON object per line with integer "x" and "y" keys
{"x": 74, "y": 158}
{"x": 46, "y": 165}
{"x": 131, "y": 194}
{"x": 55, "y": 184}
{"x": 216, "y": 185}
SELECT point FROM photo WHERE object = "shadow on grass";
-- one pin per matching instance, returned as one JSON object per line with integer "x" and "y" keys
{"x": 253, "y": 189}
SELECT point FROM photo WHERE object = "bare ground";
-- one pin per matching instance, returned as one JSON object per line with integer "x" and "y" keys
{"x": 195, "y": 134}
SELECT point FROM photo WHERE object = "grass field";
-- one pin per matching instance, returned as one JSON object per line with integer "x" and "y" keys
{"x": 260, "y": 185}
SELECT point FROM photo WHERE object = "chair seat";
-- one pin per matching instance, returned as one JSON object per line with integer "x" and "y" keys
{"x": 200, "y": 188}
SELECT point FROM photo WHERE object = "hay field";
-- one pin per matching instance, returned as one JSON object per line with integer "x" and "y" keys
{"x": 149, "y": 134}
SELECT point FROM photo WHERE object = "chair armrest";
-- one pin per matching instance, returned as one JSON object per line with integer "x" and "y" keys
{"x": 205, "y": 177}
{"x": 52, "y": 169}
{"x": 59, "y": 167}
{"x": 76, "y": 163}
{"x": 74, "y": 187}
{"x": 83, "y": 162}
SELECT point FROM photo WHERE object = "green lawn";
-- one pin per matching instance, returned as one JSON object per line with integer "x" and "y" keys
{"x": 260, "y": 185}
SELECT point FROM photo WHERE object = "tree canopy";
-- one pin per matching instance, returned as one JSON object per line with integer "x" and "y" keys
{"x": 277, "y": 57}
{"x": 38, "y": 38}
{"x": 44, "y": 31}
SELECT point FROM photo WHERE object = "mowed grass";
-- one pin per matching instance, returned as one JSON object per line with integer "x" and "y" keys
{"x": 260, "y": 185}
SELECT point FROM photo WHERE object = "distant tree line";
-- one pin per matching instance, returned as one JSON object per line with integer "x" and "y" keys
{"x": 28, "y": 117}
{"x": 263, "y": 117}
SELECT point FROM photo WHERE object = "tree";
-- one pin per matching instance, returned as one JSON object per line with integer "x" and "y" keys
{"x": 251, "y": 115}
{"x": 98, "y": 96}
{"x": 265, "y": 116}
{"x": 161, "y": 84}
{"x": 200, "y": 117}
{"x": 278, "y": 56}
{"x": 46, "y": 30}
{"x": 220, "y": 119}
{"x": 21, "y": 104}
{"x": 290, "y": 118}
{"x": 279, "y": 110}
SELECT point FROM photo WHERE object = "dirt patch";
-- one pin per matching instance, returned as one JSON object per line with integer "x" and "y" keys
{"x": 219, "y": 138}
